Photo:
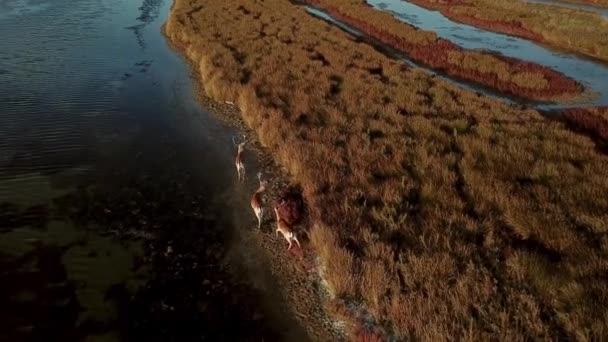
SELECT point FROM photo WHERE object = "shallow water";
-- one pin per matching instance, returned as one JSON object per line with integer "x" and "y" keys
{"x": 117, "y": 189}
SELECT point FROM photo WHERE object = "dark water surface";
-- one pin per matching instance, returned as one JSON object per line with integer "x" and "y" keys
{"x": 117, "y": 191}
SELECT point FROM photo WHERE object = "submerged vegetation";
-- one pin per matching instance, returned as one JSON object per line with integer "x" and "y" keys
{"x": 509, "y": 75}
{"x": 571, "y": 29}
{"x": 450, "y": 215}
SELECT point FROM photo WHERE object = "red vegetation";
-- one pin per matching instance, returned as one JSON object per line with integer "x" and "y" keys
{"x": 592, "y": 121}
{"x": 365, "y": 335}
{"x": 291, "y": 206}
{"x": 511, "y": 27}
{"x": 436, "y": 55}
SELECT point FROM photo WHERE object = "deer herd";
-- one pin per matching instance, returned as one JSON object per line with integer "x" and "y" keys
{"x": 256, "y": 199}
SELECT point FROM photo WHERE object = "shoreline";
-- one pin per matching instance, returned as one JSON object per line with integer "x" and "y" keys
{"x": 307, "y": 282}
{"x": 399, "y": 187}
{"x": 352, "y": 318}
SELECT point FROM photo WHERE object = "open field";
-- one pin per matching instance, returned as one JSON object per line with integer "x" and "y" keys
{"x": 598, "y": 3}
{"x": 508, "y": 75}
{"x": 566, "y": 28}
{"x": 449, "y": 215}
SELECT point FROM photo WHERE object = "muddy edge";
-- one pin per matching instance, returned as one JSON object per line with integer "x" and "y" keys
{"x": 295, "y": 272}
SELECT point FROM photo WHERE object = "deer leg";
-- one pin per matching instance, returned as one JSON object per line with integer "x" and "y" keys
{"x": 260, "y": 218}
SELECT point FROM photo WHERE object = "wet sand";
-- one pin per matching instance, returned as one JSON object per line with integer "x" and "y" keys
{"x": 266, "y": 261}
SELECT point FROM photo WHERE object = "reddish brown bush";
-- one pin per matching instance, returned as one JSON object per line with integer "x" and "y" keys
{"x": 593, "y": 121}
{"x": 365, "y": 335}
{"x": 291, "y": 206}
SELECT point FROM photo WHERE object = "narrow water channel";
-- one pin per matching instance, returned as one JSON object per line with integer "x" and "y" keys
{"x": 590, "y": 73}
{"x": 118, "y": 200}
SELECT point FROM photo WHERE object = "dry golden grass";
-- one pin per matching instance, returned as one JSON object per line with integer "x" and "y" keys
{"x": 598, "y": 3}
{"x": 450, "y": 215}
{"x": 572, "y": 29}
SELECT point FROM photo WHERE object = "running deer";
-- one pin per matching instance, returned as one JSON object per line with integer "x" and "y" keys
{"x": 240, "y": 165}
{"x": 285, "y": 229}
{"x": 256, "y": 200}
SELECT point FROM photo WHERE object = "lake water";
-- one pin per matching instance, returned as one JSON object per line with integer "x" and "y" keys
{"x": 118, "y": 199}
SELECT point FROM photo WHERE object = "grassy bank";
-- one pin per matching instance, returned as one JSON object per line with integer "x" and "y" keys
{"x": 450, "y": 215}
{"x": 598, "y": 3}
{"x": 566, "y": 28}
{"x": 508, "y": 75}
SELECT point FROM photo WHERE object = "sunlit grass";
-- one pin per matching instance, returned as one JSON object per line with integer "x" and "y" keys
{"x": 450, "y": 215}
{"x": 600, "y": 3}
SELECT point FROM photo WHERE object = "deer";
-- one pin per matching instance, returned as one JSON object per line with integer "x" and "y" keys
{"x": 240, "y": 165}
{"x": 256, "y": 200}
{"x": 285, "y": 229}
